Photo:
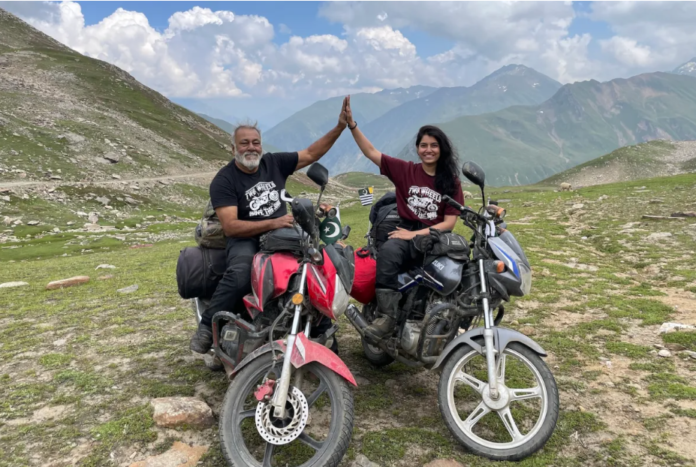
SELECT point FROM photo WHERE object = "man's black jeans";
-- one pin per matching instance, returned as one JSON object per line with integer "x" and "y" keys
{"x": 236, "y": 283}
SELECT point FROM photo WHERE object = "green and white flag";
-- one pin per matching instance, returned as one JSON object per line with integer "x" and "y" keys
{"x": 330, "y": 230}
{"x": 366, "y": 195}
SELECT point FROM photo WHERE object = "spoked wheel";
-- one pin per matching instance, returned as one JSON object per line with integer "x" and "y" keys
{"x": 315, "y": 432}
{"x": 515, "y": 425}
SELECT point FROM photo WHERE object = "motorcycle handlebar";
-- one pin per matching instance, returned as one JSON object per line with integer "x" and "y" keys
{"x": 453, "y": 203}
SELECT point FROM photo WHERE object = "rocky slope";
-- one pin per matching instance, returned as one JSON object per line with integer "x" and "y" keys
{"x": 70, "y": 117}
{"x": 657, "y": 158}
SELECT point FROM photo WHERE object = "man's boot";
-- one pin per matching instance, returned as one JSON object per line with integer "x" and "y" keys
{"x": 388, "y": 305}
{"x": 202, "y": 340}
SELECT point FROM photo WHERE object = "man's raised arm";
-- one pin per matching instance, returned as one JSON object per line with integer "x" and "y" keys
{"x": 321, "y": 146}
{"x": 233, "y": 227}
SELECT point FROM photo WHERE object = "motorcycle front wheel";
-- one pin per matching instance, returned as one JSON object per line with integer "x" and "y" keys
{"x": 514, "y": 426}
{"x": 315, "y": 432}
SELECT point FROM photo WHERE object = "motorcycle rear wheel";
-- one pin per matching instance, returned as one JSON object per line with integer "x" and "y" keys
{"x": 490, "y": 430}
{"x": 239, "y": 409}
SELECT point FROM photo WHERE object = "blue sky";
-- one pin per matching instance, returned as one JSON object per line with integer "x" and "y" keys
{"x": 266, "y": 59}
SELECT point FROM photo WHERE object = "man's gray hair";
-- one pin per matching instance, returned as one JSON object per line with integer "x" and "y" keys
{"x": 245, "y": 125}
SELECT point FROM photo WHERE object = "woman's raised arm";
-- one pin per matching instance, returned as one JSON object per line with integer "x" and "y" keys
{"x": 363, "y": 143}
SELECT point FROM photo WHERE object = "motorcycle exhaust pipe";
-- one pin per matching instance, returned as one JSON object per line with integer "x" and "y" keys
{"x": 356, "y": 318}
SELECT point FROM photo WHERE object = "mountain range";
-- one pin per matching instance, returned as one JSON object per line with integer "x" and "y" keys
{"x": 582, "y": 121}
{"x": 521, "y": 125}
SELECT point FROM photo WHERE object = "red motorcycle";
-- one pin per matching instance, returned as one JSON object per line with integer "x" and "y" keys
{"x": 293, "y": 404}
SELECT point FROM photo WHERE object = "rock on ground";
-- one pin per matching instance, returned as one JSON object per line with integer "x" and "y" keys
{"x": 362, "y": 461}
{"x": 179, "y": 455}
{"x": 175, "y": 411}
{"x": 443, "y": 463}
{"x": 106, "y": 266}
{"x": 130, "y": 289}
{"x": 8, "y": 285}
{"x": 672, "y": 327}
{"x": 664, "y": 353}
{"x": 77, "y": 280}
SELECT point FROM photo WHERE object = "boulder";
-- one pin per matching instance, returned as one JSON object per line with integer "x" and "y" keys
{"x": 443, "y": 463}
{"x": 77, "y": 280}
{"x": 176, "y": 411}
{"x": 8, "y": 285}
{"x": 33, "y": 223}
{"x": 131, "y": 289}
{"x": 362, "y": 461}
{"x": 105, "y": 266}
{"x": 179, "y": 455}
{"x": 112, "y": 157}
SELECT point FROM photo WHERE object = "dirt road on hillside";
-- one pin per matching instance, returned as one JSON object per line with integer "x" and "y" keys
{"x": 105, "y": 182}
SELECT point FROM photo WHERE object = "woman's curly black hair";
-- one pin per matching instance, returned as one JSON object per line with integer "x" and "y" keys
{"x": 446, "y": 174}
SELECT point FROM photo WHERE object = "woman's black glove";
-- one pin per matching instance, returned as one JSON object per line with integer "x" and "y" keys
{"x": 423, "y": 243}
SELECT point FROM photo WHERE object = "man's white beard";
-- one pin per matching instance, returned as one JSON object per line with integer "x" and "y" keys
{"x": 250, "y": 163}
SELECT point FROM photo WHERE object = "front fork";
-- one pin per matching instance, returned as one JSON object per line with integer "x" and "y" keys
{"x": 280, "y": 396}
{"x": 488, "y": 337}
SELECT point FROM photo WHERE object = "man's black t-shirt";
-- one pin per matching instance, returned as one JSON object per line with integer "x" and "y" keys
{"x": 257, "y": 195}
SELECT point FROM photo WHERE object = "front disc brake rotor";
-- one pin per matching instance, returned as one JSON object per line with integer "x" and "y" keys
{"x": 283, "y": 431}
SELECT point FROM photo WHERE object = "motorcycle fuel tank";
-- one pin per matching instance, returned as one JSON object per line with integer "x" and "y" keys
{"x": 442, "y": 275}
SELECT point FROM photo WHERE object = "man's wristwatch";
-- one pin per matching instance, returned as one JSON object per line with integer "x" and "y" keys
{"x": 353, "y": 127}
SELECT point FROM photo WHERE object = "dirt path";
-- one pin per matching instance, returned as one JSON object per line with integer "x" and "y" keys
{"x": 106, "y": 182}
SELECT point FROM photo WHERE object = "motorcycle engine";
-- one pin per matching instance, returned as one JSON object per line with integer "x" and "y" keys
{"x": 410, "y": 336}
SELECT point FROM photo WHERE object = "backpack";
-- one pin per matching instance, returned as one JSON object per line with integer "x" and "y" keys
{"x": 209, "y": 233}
{"x": 384, "y": 218}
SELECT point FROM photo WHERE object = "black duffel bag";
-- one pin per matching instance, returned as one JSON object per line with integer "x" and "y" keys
{"x": 285, "y": 239}
{"x": 199, "y": 270}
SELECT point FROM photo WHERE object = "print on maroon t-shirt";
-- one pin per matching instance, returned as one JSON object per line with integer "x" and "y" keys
{"x": 417, "y": 197}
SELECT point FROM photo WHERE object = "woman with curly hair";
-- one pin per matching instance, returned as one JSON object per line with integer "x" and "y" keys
{"x": 419, "y": 190}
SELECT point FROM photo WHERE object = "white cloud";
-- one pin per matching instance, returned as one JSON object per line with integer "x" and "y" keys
{"x": 628, "y": 51}
{"x": 649, "y": 35}
{"x": 219, "y": 54}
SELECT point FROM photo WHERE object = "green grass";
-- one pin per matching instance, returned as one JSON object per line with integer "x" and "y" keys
{"x": 116, "y": 352}
{"x": 687, "y": 339}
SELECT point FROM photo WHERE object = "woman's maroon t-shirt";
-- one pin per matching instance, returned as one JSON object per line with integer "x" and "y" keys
{"x": 417, "y": 198}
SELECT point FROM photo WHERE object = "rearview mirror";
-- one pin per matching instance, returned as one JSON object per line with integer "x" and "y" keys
{"x": 303, "y": 212}
{"x": 318, "y": 174}
{"x": 474, "y": 173}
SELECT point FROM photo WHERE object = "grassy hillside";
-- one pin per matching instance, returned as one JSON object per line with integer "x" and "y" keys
{"x": 79, "y": 366}
{"x": 362, "y": 180}
{"x": 582, "y": 121}
{"x": 62, "y": 112}
{"x": 657, "y": 158}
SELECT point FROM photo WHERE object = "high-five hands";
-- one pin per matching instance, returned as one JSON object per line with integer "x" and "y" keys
{"x": 348, "y": 113}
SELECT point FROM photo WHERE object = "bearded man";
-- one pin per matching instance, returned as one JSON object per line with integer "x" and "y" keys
{"x": 246, "y": 197}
